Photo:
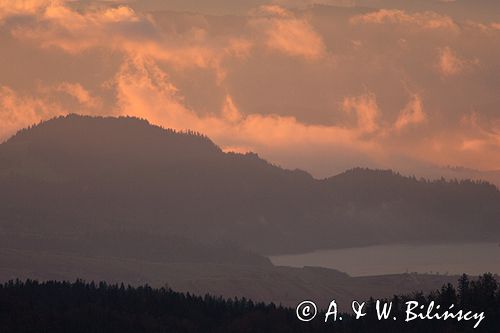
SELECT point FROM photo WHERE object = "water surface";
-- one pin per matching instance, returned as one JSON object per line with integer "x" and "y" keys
{"x": 472, "y": 258}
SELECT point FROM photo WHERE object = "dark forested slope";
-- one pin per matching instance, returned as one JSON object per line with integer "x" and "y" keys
{"x": 88, "y": 307}
{"x": 77, "y": 176}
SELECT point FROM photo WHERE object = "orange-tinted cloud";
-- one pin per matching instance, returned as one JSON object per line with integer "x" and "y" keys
{"x": 286, "y": 33}
{"x": 145, "y": 90}
{"x": 124, "y": 30}
{"x": 264, "y": 82}
{"x": 18, "y": 111}
{"x": 424, "y": 20}
{"x": 79, "y": 93}
{"x": 450, "y": 64}
{"x": 10, "y": 8}
{"x": 57, "y": 25}
{"x": 412, "y": 114}
{"x": 470, "y": 144}
{"x": 366, "y": 110}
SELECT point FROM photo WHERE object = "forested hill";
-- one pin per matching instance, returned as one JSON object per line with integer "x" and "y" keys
{"x": 79, "y": 175}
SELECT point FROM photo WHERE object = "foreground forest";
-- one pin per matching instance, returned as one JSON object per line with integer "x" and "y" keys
{"x": 33, "y": 306}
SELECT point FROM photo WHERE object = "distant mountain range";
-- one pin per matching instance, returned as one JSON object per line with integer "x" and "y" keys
{"x": 75, "y": 177}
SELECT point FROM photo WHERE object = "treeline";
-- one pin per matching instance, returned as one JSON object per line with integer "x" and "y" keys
{"x": 46, "y": 129}
{"x": 479, "y": 295}
{"x": 33, "y": 306}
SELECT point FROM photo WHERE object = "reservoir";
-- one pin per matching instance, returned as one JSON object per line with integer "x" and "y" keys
{"x": 469, "y": 258}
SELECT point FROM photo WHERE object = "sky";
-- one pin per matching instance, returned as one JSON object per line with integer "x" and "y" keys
{"x": 319, "y": 85}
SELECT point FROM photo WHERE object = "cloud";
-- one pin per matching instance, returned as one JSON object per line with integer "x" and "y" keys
{"x": 288, "y": 34}
{"x": 490, "y": 28}
{"x": 304, "y": 3}
{"x": 263, "y": 82}
{"x": 144, "y": 90}
{"x": 80, "y": 94}
{"x": 472, "y": 143}
{"x": 239, "y": 47}
{"x": 412, "y": 114}
{"x": 450, "y": 64}
{"x": 477, "y": 136}
{"x": 121, "y": 29}
{"x": 424, "y": 20}
{"x": 366, "y": 109}
{"x": 18, "y": 111}
{"x": 9, "y": 8}
{"x": 57, "y": 25}
{"x": 230, "y": 112}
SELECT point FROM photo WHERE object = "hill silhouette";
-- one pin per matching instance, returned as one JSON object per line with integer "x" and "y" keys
{"x": 34, "y": 306}
{"x": 76, "y": 176}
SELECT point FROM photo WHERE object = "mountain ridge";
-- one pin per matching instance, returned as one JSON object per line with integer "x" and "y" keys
{"x": 79, "y": 174}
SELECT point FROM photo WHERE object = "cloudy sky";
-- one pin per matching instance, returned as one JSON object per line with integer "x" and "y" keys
{"x": 318, "y": 85}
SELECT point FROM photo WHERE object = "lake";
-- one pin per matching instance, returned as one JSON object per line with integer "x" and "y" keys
{"x": 472, "y": 259}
